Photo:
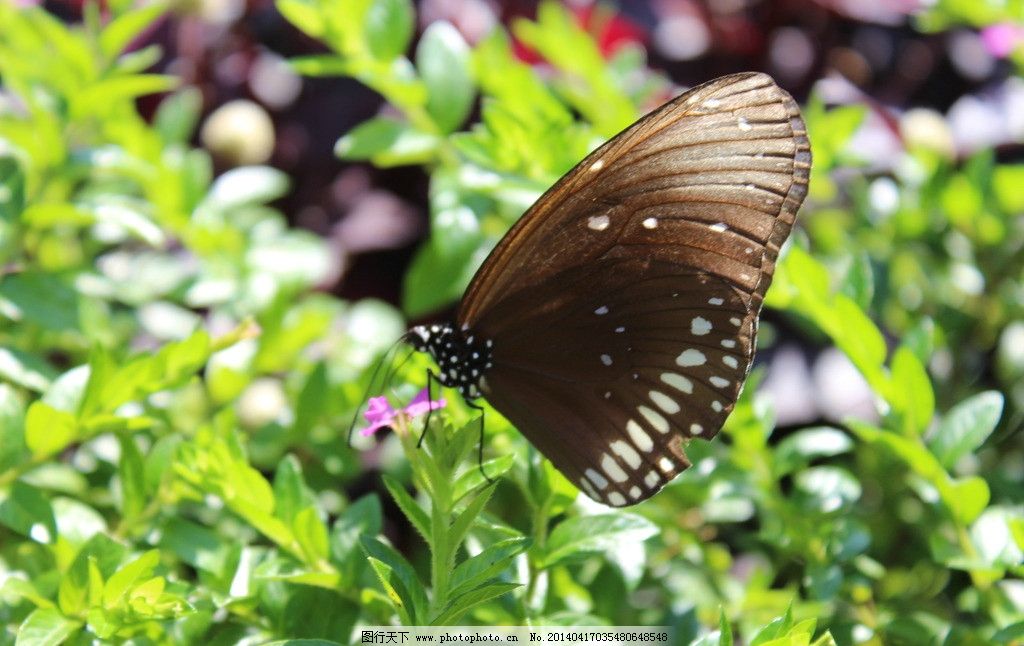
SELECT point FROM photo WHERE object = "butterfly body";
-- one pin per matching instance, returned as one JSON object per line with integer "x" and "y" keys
{"x": 616, "y": 320}
{"x": 463, "y": 357}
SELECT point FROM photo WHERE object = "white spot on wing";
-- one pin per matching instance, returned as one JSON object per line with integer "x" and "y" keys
{"x": 743, "y": 124}
{"x": 606, "y": 360}
{"x": 652, "y": 478}
{"x": 716, "y": 406}
{"x": 598, "y": 222}
{"x": 612, "y": 468}
{"x": 691, "y": 357}
{"x": 601, "y": 311}
{"x": 730, "y": 361}
{"x": 716, "y": 301}
{"x": 678, "y": 382}
{"x": 664, "y": 402}
{"x": 718, "y": 381}
{"x": 719, "y": 227}
{"x": 650, "y": 223}
{"x": 728, "y": 343}
{"x": 658, "y": 422}
{"x": 696, "y": 429}
{"x": 595, "y": 477}
{"x": 735, "y": 321}
{"x": 596, "y": 166}
{"x": 627, "y": 453}
{"x": 589, "y": 489}
{"x": 700, "y": 326}
{"x": 616, "y": 499}
{"x": 620, "y": 329}
{"x": 666, "y": 465}
{"x": 639, "y": 436}
{"x": 635, "y": 492}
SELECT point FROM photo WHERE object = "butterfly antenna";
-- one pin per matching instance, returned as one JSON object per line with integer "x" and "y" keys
{"x": 384, "y": 360}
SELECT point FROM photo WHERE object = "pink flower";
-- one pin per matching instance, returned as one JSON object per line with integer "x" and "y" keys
{"x": 1002, "y": 39}
{"x": 379, "y": 412}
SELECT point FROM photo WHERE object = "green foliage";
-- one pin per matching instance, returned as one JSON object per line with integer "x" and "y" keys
{"x": 174, "y": 396}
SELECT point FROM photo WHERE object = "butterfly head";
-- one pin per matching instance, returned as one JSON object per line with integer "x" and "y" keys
{"x": 463, "y": 357}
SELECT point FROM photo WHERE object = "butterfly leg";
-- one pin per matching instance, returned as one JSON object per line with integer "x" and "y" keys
{"x": 431, "y": 378}
{"x": 480, "y": 444}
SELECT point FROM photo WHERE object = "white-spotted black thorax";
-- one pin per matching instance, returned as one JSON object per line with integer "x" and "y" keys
{"x": 463, "y": 357}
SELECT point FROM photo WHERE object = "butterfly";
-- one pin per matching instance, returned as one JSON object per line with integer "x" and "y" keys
{"x": 616, "y": 319}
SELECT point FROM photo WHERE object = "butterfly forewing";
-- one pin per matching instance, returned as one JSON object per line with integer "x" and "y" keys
{"x": 623, "y": 306}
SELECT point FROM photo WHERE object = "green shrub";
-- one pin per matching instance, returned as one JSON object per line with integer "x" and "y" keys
{"x": 175, "y": 395}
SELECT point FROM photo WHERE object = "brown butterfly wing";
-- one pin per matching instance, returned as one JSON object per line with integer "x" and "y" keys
{"x": 623, "y": 305}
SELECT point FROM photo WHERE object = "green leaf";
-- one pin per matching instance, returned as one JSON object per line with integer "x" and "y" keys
{"x": 444, "y": 63}
{"x": 587, "y": 534}
{"x": 800, "y": 448}
{"x": 591, "y": 87}
{"x": 778, "y": 627}
{"x": 132, "y": 218}
{"x": 12, "y": 429}
{"x": 387, "y": 142}
{"x": 724, "y": 629}
{"x": 12, "y": 190}
{"x": 27, "y": 511}
{"x": 443, "y": 267}
{"x": 83, "y": 582}
{"x": 48, "y": 430}
{"x": 409, "y": 507}
{"x": 177, "y": 115}
{"x": 859, "y": 282}
{"x": 100, "y": 97}
{"x": 312, "y": 402}
{"x": 311, "y": 533}
{"x": 462, "y": 523}
{"x": 398, "y": 578}
{"x": 968, "y": 497}
{"x": 361, "y": 518}
{"x": 465, "y": 602}
{"x": 26, "y": 370}
{"x": 912, "y": 395}
{"x": 112, "y": 384}
{"x": 828, "y": 488}
{"x": 46, "y": 627}
{"x": 120, "y": 584}
{"x": 388, "y": 27}
{"x": 992, "y": 536}
{"x": 246, "y": 186}
{"x": 966, "y": 427}
{"x": 911, "y": 451}
{"x": 197, "y": 546}
{"x": 40, "y": 298}
{"x": 1006, "y": 182}
{"x": 128, "y": 26}
{"x": 857, "y": 336}
{"x": 304, "y": 14}
{"x": 1012, "y": 634}
{"x": 291, "y": 495}
{"x": 473, "y": 477}
{"x": 486, "y": 565}
{"x": 132, "y": 477}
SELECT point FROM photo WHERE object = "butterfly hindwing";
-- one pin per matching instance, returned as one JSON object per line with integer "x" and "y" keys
{"x": 625, "y": 372}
